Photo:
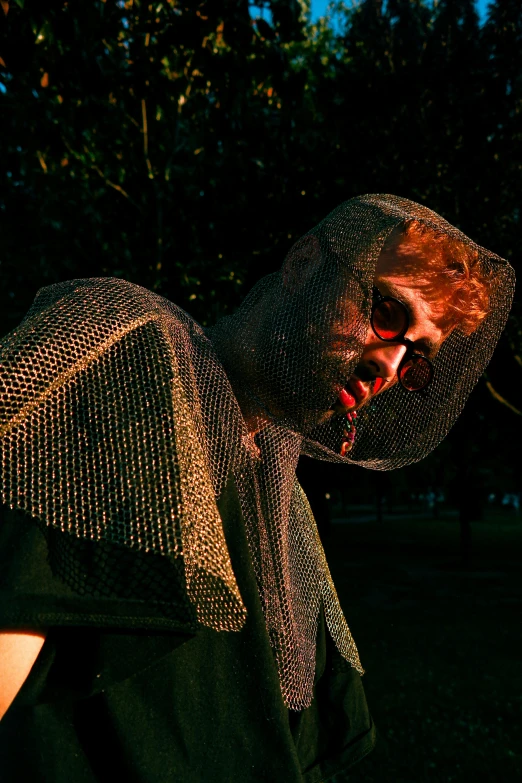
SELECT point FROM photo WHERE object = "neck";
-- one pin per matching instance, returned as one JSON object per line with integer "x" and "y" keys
{"x": 234, "y": 354}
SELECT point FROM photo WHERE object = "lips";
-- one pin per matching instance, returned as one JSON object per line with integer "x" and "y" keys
{"x": 359, "y": 390}
{"x": 354, "y": 393}
{"x": 346, "y": 399}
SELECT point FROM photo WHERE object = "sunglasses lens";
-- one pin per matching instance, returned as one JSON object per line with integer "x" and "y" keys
{"x": 389, "y": 320}
{"x": 416, "y": 373}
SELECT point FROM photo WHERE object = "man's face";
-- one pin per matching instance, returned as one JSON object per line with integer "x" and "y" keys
{"x": 376, "y": 371}
{"x": 380, "y": 360}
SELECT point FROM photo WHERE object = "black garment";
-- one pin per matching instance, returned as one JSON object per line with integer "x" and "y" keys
{"x": 134, "y": 687}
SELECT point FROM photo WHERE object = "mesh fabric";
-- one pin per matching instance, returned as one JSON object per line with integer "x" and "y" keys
{"x": 121, "y": 419}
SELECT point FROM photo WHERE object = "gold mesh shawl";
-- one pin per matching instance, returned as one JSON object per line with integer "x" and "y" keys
{"x": 120, "y": 421}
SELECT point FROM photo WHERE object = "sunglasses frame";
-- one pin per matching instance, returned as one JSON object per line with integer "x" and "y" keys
{"x": 400, "y": 338}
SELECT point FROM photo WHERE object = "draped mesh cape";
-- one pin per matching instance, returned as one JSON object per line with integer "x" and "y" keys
{"x": 121, "y": 420}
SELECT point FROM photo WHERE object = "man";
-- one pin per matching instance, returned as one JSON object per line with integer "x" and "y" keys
{"x": 155, "y": 535}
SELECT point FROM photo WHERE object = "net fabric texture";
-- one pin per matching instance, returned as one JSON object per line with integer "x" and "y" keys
{"x": 99, "y": 569}
{"x": 400, "y": 428}
{"x": 104, "y": 434}
{"x": 121, "y": 420}
{"x": 303, "y": 330}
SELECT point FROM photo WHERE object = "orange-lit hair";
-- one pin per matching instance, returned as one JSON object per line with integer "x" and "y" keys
{"x": 447, "y": 270}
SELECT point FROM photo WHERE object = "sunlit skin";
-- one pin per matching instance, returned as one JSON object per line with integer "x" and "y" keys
{"x": 380, "y": 360}
{"x": 376, "y": 371}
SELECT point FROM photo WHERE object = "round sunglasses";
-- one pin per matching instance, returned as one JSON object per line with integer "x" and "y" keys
{"x": 390, "y": 321}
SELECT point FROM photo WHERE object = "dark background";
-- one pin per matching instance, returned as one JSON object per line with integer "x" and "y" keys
{"x": 185, "y": 146}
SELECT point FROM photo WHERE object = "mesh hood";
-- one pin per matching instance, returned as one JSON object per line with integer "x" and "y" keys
{"x": 296, "y": 376}
{"x": 121, "y": 420}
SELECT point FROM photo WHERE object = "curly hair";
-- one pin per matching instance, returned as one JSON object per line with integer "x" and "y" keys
{"x": 447, "y": 270}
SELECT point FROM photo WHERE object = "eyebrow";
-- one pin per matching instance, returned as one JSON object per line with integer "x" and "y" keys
{"x": 426, "y": 346}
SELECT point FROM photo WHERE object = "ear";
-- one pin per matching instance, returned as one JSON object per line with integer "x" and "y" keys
{"x": 301, "y": 263}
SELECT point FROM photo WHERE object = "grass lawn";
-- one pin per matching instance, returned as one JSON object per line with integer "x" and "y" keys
{"x": 441, "y": 646}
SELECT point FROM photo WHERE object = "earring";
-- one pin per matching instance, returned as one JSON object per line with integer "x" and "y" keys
{"x": 349, "y": 430}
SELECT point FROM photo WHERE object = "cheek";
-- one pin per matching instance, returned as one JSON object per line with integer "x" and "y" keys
{"x": 373, "y": 347}
{"x": 370, "y": 336}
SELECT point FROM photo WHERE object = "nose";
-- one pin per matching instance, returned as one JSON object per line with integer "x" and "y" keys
{"x": 388, "y": 358}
